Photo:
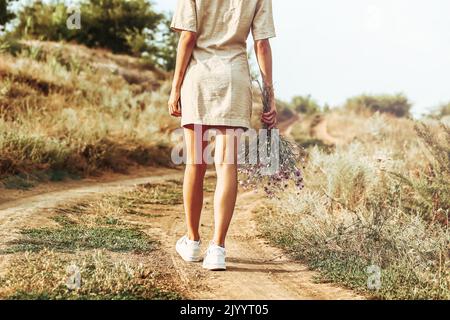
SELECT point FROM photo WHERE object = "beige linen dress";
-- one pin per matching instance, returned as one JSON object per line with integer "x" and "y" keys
{"x": 217, "y": 88}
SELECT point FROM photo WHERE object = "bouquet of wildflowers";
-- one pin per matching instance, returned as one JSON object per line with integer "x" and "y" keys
{"x": 271, "y": 161}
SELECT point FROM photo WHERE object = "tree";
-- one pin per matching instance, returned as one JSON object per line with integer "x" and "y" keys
{"x": 5, "y": 14}
{"x": 166, "y": 55}
{"x": 115, "y": 24}
{"x": 397, "y": 105}
{"x": 305, "y": 105}
{"x": 441, "y": 111}
{"x": 120, "y": 25}
{"x": 43, "y": 21}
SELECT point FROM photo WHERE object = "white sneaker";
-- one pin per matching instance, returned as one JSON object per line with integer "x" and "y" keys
{"x": 215, "y": 258}
{"x": 189, "y": 250}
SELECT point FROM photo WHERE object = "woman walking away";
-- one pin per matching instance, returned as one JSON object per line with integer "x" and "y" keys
{"x": 212, "y": 89}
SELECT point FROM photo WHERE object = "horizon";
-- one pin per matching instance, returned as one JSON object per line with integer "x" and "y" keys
{"x": 352, "y": 47}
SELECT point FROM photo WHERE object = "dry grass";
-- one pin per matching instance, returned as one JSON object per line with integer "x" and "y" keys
{"x": 370, "y": 202}
{"x": 46, "y": 275}
{"x": 79, "y": 110}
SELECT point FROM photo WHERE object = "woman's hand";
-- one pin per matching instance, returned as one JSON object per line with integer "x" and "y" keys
{"x": 174, "y": 103}
{"x": 270, "y": 118}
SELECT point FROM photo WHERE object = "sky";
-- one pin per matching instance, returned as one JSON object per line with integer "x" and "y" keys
{"x": 336, "y": 49}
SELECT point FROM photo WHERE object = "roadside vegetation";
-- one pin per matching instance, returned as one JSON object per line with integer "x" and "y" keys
{"x": 378, "y": 200}
{"x": 126, "y": 27}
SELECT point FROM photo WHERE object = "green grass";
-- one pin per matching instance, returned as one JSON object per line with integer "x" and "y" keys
{"x": 83, "y": 226}
{"x": 71, "y": 238}
{"x": 98, "y": 224}
{"x": 20, "y": 182}
{"x": 137, "y": 201}
{"x": 397, "y": 281}
{"x": 27, "y": 181}
{"x": 412, "y": 260}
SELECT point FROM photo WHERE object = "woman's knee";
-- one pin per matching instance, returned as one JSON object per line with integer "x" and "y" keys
{"x": 226, "y": 170}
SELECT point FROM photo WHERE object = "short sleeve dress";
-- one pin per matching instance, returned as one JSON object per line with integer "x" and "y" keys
{"x": 217, "y": 87}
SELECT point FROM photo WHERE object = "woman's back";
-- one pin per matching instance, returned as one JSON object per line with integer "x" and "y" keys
{"x": 223, "y": 27}
{"x": 217, "y": 88}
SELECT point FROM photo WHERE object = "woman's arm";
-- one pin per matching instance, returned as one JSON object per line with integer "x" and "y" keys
{"x": 264, "y": 56}
{"x": 185, "y": 47}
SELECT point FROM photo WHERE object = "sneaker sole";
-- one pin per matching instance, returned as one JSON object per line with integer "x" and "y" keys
{"x": 187, "y": 258}
{"x": 215, "y": 267}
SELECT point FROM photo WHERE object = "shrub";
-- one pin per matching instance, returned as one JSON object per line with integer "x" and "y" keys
{"x": 397, "y": 105}
{"x": 381, "y": 200}
{"x": 122, "y": 26}
{"x": 353, "y": 215}
{"x": 305, "y": 105}
{"x": 166, "y": 54}
{"x": 441, "y": 111}
{"x": 5, "y": 14}
{"x": 9, "y": 44}
{"x": 432, "y": 184}
{"x": 285, "y": 111}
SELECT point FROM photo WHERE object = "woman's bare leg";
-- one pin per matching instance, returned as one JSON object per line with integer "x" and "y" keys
{"x": 225, "y": 159}
{"x": 193, "y": 179}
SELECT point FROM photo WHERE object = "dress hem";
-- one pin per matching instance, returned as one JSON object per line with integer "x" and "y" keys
{"x": 239, "y": 123}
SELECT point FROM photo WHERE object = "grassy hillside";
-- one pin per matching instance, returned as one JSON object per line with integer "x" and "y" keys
{"x": 66, "y": 110}
{"x": 69, "y": 110}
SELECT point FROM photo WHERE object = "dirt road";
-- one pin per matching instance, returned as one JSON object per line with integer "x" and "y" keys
{"x": 319, "y": 130}
{"x": 256, "y": 270}
{"x": 286, "y": 126}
